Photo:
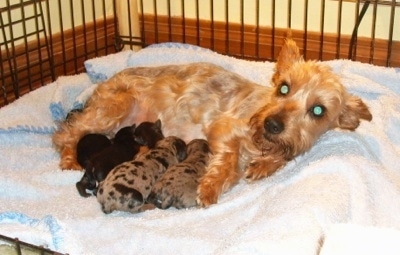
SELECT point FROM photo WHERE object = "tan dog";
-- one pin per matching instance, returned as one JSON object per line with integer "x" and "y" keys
{"x": 252, "y": 130}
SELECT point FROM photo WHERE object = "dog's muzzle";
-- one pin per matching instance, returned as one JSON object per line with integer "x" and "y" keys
{"x": 273, "y": 126}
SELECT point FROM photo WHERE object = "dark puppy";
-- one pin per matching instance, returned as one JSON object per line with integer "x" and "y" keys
{"x": 126, "y": 144}
{"x": 128, "y": 185}
{"x": 178, "y": 186}
{"x": 90, "y": 145}
{"x": 149, "y": 133}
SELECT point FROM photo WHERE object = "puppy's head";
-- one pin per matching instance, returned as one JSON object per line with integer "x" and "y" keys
{"x": 308, "y": 100}
{"x": 149, "y": 133}
{"x": 125, "y": 134}
{"x": 174, "y": 144}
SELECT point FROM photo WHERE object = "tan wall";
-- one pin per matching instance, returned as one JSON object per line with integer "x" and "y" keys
{"x": 314, "y": 10}
{"x": 54, "y": 8}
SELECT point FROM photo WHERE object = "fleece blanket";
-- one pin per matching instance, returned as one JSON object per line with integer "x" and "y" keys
{"x": 341, "y": 197}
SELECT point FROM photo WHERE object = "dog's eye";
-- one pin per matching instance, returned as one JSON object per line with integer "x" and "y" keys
{"x": 284, "y": 89}
{"x": 317, "y": 110}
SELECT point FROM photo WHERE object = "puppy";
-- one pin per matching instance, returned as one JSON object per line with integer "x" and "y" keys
{"x": 149, "y": 133}
{"x": 252, "y": 130}
{"x": 178, "y": 186}
{"x": 89, "y": 145}
{"x": 127, "y": 143}
{"x": 128, "y": 185}
{"x": 124, "y": 148}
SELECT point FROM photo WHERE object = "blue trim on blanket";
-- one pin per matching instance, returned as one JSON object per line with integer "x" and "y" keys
{"x": 57, "y": 111}
{"x": 173, "y": 45}
{"x": 28, "y": 129}
{"x": 49, "y": 221}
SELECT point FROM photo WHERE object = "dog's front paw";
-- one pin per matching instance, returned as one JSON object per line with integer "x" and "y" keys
{"x": 262, "y": 167}
{"x": 254, "y": 171}
{"x": 207, "y": 193}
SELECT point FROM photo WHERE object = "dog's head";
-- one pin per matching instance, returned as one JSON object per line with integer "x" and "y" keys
{"x": 308, "y": 99}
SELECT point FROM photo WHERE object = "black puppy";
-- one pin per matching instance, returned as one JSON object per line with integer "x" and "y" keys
{"x": 89, "y": 145}
{"x": 126, "y": 144}
{"x": 149, "y": 133}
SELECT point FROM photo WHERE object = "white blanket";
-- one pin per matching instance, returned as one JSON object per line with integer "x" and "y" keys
{"x": 343, "y": 195}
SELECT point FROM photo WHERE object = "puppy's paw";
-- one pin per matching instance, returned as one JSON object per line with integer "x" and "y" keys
{"x": 160, "y": 198}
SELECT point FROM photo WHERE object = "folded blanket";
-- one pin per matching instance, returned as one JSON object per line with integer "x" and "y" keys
{"x": 177, "y": 53}
{"x": 101, "y": 68}
{"x": 71, "y": 93}
{"x": 347, "y": 181}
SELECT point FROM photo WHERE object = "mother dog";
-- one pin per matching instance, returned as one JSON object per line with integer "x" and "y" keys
{"x": 252, "y": 130}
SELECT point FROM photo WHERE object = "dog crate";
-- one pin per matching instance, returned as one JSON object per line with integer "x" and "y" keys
{"x": 41, "y": 40}
{"x": 15, "y": 246}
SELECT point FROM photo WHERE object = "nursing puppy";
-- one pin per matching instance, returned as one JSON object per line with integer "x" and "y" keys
{"x": 252, "y": 130}
{"x": 90, "y": 145}
{"x": 128, "y": 185}
{"x": 149, "y": 133}
{"x": 178, "y": 186}
{"x": 127, "y": 143}
{"x": 124, "y": 148}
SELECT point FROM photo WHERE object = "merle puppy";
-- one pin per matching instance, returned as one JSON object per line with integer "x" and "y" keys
{"x": 126, "y": 144}
{"x": 128, "y": 185}
{"x": 178, "y": 186}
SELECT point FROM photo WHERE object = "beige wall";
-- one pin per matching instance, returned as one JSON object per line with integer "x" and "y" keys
{"x": 54, "y": 8}
{"x": 314, "y": 10}
{"x": 331, "y": 17}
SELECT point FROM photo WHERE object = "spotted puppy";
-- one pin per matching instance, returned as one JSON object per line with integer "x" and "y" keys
{"x": 178, "y": 186}
{"x": 128, "y": 185}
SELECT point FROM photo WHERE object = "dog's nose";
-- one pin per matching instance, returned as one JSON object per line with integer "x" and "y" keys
{"x": 273, "y": 125}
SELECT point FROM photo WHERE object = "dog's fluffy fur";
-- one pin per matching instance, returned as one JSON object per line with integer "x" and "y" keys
{"x": 252, "y": 130}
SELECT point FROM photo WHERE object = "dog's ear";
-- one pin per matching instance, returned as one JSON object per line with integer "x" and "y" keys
{"x": 353, "y": 111}
{"x": 289, "y": 55}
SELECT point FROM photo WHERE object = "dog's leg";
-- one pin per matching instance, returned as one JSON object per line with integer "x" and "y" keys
{"x": 110, "y": 103}
{"x": 223, "y": 170}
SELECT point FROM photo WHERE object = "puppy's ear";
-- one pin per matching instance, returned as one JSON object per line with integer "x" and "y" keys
{"x": 353, "y": 111}
{"x": 289, "y": 55}
{"x": 158, "y": 124}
